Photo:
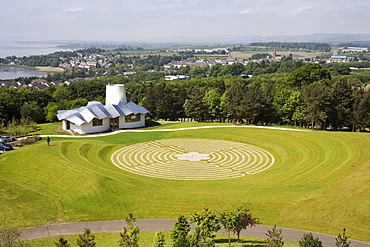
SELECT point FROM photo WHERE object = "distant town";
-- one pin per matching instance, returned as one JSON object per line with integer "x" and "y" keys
{"x": 177, "y": 63}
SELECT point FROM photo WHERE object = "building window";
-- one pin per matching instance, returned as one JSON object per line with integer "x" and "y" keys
{"x": 132, "y": 118}
{"x": 97, "y": 122}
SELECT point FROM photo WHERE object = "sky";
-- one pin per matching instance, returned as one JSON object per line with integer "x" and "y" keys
{"x": 143, "y": 20}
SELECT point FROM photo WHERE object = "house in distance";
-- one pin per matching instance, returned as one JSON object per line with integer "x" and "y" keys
{"x": 96, "y": 117}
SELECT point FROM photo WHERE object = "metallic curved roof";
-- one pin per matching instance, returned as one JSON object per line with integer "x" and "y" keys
{"x": 96, "y": 109}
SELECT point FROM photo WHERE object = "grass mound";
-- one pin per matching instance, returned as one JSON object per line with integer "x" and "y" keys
{"x": 319, "y": 182}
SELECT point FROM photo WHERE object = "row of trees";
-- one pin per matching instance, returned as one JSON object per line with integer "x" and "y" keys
{"x": 307, "y": 96}
{"x": 206, "y": 223}
{"x": 295, "y": 45}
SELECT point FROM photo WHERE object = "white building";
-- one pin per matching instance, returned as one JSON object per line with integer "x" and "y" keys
{"x": 96, "y": 117}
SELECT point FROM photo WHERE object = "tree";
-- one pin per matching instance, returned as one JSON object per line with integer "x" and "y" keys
{"x": 308, "y": 240}
{"x": 228, "y": 221}
{"x": 363, "y": 112}
{"x": 194, "y": 106}
{"x": 341, "y": 102}
{"x": 213, "y": 103}
{"x": 243, "y": 220}
{"x": 9, "y": 237}
{"x": 308, "y": 74}
{"x": 206, "y": 223}
{"x": 316, "y": 99}
{"x": 274, "y": 237}
{"x": 159, "y": 239}
{"x": 61, "y": 242}
{"x": 130, "y": 236}
{"x": 181, "y": 228}
{"x": 86, "y": 239}
{"x": 235, "y": 103}
{"x": 342, "y": 240}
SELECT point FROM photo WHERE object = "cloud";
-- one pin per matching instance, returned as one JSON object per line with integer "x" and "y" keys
{"x": 246, "y": 11}
{"x": 72, "y": 10}
{"x": 295, "y": 12}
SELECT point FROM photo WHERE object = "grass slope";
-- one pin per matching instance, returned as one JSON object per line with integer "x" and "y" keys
{"x": 319, "y": 182}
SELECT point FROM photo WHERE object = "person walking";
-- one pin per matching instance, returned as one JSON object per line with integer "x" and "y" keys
{"x": 48, "y": 140}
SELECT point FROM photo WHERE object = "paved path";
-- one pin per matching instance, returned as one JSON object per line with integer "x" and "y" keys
{"x": 151, "y": 225}
{"x": 176, "y": 129}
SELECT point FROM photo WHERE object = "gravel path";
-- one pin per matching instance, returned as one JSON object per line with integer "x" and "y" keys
{"x": 151, "y": 225}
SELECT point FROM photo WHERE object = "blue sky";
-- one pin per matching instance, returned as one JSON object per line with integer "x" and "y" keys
{"x": 139, "y": 20}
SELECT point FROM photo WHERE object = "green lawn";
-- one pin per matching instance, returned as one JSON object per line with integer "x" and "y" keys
{"x": 319, "y": 182}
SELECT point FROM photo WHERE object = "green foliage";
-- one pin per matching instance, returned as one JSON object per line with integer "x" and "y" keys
{"x": 159, "y": 239}
{"x": 307, "y": 74}
{"x": 130, "y": 235}
{"x": 86, "y": 239}
{"x": 363, "y": 111}
{"x": 308, "y": 240}
{"x": 180, "y": 229}
{"x": 9, "y": 237}
{"x": 242, "y": 219}
{"x": 315, "y": 98}
{"x": 206, "y": 223}
{"x": 295, "y": 45}
{"x": 274, "y": 237}
{"x": 62, "y": 242}
{"x": 342, "y": 240}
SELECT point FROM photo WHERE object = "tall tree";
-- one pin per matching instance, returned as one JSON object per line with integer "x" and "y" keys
{"x": 316, "y": 100}
{"x": 86, "y": 239}
{"x": 236, "y": 97}
{"x": 194, "y": 106}
{"x": 363, "y": 112}
{"x": 213, "y": 102}
{"x": 341, "y": 102}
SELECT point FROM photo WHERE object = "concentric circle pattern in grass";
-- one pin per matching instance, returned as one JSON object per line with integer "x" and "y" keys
{"x": 192, "y": 159}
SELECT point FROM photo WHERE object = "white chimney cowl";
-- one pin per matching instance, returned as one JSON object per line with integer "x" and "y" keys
{"x": 115, "y": 93}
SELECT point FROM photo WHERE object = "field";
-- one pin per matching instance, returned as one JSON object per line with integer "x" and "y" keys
{"x": 319, "y": 181}
{"x": 248, "y": 54}
{"x": 49, "y": 69}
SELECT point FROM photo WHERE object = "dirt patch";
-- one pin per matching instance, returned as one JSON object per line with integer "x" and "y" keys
{"x": 49, "y": 69}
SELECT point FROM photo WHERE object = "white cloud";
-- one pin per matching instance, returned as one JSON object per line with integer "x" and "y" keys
{"x": 72, "y": 10}
{"x": 246, "y": 11}
{"x": 294, "y": 12}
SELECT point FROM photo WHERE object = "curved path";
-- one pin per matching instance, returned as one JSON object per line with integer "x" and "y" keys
{"x": 151, "y": 225}
{"x": 176, "y": 129}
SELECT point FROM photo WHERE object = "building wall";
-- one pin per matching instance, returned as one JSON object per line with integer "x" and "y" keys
{"x": 88, "y": 128}
{"x": 124, "y": 125}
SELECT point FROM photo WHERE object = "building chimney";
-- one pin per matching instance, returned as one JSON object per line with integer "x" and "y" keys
{"x": 115, "y": 93}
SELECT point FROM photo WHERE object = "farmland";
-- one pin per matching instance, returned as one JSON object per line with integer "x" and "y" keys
{"x": 319, "y": 182}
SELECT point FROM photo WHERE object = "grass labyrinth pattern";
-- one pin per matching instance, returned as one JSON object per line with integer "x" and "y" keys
{"x": 192, "y": 159}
